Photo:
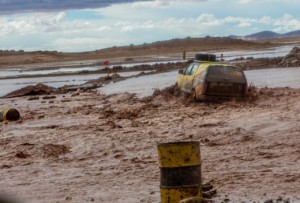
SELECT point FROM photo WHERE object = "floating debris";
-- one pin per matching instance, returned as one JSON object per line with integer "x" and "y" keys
{"x": 30, "y": 90}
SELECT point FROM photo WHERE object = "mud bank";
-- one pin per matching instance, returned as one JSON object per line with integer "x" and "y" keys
{"x": 89, "y": 147}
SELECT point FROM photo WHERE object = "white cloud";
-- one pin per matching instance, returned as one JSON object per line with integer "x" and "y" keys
{"x": 132, "y": 26}
{"x": 287, "y": 23}
{"x": 246, "y": 1}
{"x": 209, "y": 20}
{"x": 70, "y": 43}
{"x": 160, "y": 3}
{"x": 57, "y": 23}
{"x": 123, "y": 24}
{"x": 151, "y": 4}
{"x": 266, "y": 20}
{"x": 46, "y": 23}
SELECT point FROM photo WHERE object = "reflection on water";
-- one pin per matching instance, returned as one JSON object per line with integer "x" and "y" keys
{"x": 19, "y": 73}
{"x": 266, "y": 53}
{"x": 143, "y": 86}
{"x": 275, "y": 77}
{"x": 228, "y": 55}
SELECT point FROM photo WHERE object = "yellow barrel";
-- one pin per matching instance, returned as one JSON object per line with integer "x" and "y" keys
{"x": 180, "y": 171}
{"x": 9, "y": 114}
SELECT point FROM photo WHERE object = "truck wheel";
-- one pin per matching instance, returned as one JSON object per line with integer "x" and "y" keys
{"x": 177, "y": 90}
{"x": 205, "y": 57}
{"x": 194, "y": 95}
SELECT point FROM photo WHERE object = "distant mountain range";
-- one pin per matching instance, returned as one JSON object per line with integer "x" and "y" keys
{"x": 267, "y": 35}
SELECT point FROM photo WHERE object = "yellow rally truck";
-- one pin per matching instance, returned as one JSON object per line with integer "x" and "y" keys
{"x": 211, "y": 80}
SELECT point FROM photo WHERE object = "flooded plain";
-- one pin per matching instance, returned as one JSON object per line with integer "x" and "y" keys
{"x": 91, "y": 147}
{"x": 145, "y": 85}
{"x": 279, "y": 51}
{"x": 9, "y": 85}
{"x": 56, "y": 69}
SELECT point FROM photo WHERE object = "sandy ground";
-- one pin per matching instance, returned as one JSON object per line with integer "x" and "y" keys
{"x": 89, "y": 147}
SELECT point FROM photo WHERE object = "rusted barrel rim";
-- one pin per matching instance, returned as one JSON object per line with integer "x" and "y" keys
{"x": 176, "y": 143}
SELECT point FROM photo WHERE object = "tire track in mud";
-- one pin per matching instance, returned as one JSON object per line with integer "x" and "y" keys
{"x": 104, "y": 147}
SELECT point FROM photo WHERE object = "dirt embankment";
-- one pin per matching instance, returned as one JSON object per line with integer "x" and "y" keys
{"x": 95, "y": 148}
{"x": 292, "y": 59}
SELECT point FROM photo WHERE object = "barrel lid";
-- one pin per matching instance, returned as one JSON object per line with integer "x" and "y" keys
{"x": 179, "y": 143}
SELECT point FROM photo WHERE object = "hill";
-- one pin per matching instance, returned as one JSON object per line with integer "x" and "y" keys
{"x": 269, "y": 35}
{"x": 263, "y": 35}
{"x": 293, "y": 34}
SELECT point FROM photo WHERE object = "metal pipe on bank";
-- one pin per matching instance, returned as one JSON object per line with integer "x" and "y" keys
{"x": 9, "y": 115}
{"x": 180, "y": 169}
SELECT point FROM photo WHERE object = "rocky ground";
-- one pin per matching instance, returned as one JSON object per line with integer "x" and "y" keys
{"x": 88, "y": 147}
{"x": 290, "y": 60}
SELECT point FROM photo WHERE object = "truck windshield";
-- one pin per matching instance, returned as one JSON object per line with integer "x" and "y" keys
{"x": 225, "y": 73}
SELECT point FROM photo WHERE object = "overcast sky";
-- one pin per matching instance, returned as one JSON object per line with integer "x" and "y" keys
{"x": 74, "y": 25}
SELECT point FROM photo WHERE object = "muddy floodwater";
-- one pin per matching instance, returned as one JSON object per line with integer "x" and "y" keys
{"x": 91, "y": 147}
{"x": 144, "y": 86}
{"x": 9, "y": 85}
{"x": 266, "y": 53}
{"x": 103, "y": 149}
{"x": 25, "y": 72}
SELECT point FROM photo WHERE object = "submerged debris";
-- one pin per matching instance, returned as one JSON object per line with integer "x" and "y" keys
{"x": 39, "y": 89}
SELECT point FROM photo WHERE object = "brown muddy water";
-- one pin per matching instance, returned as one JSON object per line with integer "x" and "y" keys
{"x": 145, "y": 85}
{"x": 9, "y": 85}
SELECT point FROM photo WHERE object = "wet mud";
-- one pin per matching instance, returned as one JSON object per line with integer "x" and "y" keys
{"x": 75, "y": 144}
{"x": 89, "y": 147}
